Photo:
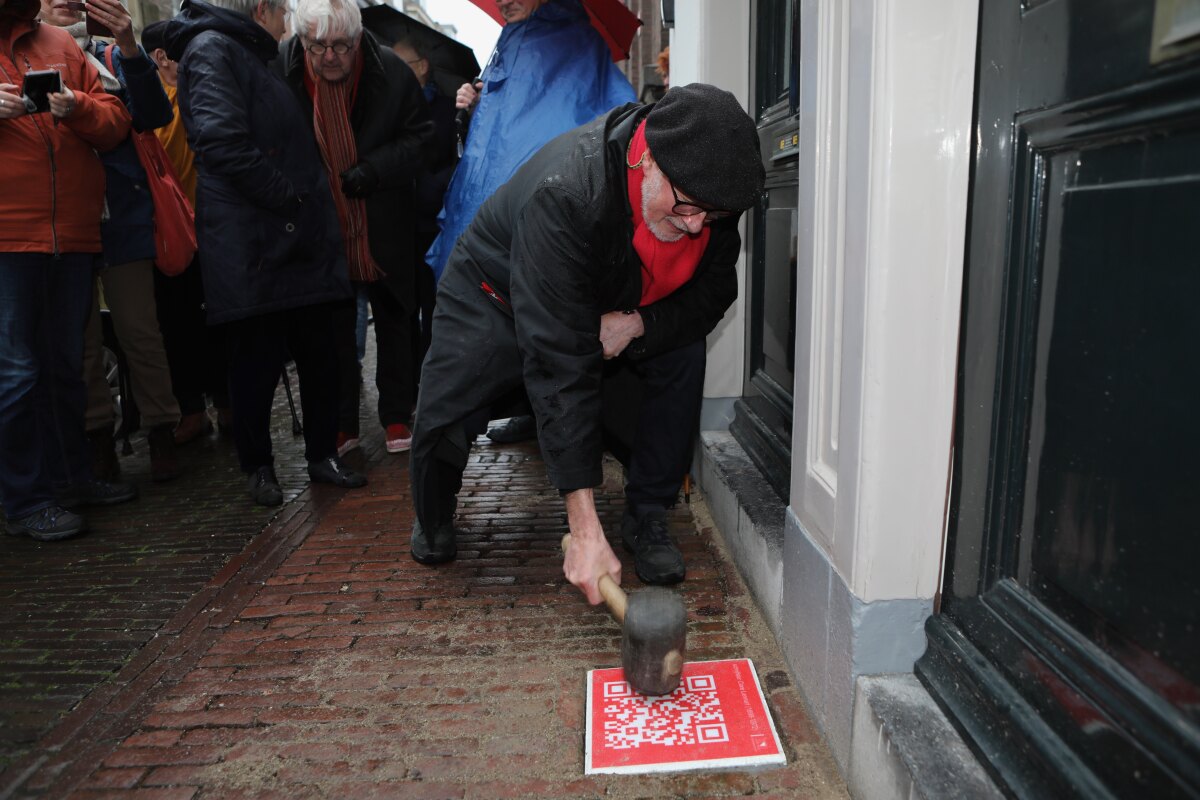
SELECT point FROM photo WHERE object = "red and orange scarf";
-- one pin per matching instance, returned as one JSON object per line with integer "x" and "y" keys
{"x": 665, "y": 265}
{"x": 332, "y": 103}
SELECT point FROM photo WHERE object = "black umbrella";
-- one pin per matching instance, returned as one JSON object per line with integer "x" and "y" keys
{"x": 453, "y": 62}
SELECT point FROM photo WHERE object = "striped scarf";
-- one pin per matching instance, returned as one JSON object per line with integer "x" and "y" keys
{"x": 335, "y": 139}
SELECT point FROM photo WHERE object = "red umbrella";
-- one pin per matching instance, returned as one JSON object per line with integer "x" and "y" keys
{"x": 616, "y": 23}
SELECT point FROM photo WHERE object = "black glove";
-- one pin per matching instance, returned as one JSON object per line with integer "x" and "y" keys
{"x": 360, "y": 180}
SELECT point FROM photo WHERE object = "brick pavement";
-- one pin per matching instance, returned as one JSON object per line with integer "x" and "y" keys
{"x": 72, "y": 614}
{"x": 326, "y": 663}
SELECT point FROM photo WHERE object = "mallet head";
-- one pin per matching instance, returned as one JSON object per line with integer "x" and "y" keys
{"x": 654, "y": 641}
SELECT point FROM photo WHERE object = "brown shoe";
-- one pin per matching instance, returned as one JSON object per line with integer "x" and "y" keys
{"x": 164, "y": 464}
{"x": 192, "y": 426}
{"x": 105, "y": 465}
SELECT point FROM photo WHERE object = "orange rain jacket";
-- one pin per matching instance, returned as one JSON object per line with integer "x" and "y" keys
{"x": 53, "y": 181}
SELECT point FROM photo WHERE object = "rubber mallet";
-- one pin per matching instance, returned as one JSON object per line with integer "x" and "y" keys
{"x": 653, "y": 633}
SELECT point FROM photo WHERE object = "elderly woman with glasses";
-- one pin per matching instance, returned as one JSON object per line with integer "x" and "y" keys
{"x": 270, "y": 247}
{"x": 372, "y": 127}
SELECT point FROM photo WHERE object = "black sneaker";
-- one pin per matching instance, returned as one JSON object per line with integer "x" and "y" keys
{"x": 264, "y": 487}
{"x": 96, "y": 493}
{"x": 516, "y": 429}
{"x": 333, "y": 470}
{"x": 50, "y": 524}
{"x": 656, "y": 559}
{"x": 438, "y": 548}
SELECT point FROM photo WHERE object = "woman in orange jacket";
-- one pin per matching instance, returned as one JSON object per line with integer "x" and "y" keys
{"x": 49, "y": 237}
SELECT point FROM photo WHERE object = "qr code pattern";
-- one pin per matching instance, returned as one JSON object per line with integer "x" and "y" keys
{"x": 688, "y": 716}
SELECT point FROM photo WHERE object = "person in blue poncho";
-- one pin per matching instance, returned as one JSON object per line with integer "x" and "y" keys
{"x": 550, "y": 72}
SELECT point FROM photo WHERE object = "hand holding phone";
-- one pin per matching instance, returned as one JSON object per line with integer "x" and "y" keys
{"x": 12, "y": 104}
{"x": 115, "y": 21}
{"x": 39, "y": 85}
{"x": 62, "y": 104}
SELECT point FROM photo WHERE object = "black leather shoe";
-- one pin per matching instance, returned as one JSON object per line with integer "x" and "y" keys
{"x": 656, "y": 559}
{"x": 264, "y": 487}
{"x": 332, "y": 470}
{"x": 438, "y": 547}
{"x": 516, "y": 429}
{"x": 49, "y": 524}
{"x": 96, "y": 493}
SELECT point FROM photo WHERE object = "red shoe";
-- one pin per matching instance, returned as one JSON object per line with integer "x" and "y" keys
{"x": 399, "y": 438}
{"x": 192, "y": 426}
{"x": 346, "y": 442}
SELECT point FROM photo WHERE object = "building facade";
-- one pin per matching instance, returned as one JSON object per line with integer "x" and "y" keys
{"x": 945, "y": 426}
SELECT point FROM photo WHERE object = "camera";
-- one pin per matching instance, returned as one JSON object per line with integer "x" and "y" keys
{"x": 39, "y": 85}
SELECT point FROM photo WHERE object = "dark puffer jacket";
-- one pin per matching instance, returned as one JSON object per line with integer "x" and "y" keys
{"x": 392, "y": 132}
{"x": 268, "y": 233}
{"x": 557, "y": 240}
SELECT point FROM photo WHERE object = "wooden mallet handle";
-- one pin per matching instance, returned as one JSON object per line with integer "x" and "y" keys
{"x": 613, "y": 595}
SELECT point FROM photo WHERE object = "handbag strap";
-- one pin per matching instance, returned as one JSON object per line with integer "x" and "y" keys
{"x": 108, "y": 61}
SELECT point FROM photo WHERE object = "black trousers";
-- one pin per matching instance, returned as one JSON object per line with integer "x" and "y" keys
{"x": 395, "y": 373}
{"x": 651, "y": 406}
{"x": 259, "y": 347}
{"x": 196, "y": 353}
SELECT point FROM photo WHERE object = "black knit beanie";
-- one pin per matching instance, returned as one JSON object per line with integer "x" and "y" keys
{"x": 707, "y": 146}
{"x": 152, "y": 36}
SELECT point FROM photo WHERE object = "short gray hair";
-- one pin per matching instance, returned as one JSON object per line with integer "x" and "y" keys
{"x": 246, "y": 7}
{"x": 326, "y": 17}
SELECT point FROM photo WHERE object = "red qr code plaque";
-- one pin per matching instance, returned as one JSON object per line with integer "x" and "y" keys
{"x": 717, "y": 718}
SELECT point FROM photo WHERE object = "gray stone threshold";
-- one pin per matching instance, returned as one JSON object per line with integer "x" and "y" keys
{"x": 887, "y": 735}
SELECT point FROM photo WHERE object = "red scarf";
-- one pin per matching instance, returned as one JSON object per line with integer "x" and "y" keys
{"x": 665, "y": 265}
{"x": 335, "y": 139}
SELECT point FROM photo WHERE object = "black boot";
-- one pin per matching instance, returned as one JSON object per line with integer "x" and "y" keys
{"x": 515, "y": 429}
{"x": 656, "y": 559}
{"x": 264, "y": 486}
{"x": 164, "y": 463}
{"x": 105, "y": 465}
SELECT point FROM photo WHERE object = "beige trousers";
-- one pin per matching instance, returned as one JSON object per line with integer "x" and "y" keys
{"x": 129, "y": 295}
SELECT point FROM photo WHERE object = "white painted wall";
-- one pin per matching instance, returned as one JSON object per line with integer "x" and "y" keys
{"x": 710, "y": 43}
{"x": 886, "y": 96}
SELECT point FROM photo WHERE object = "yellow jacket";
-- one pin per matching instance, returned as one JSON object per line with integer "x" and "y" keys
{"x": 174, "y": 141}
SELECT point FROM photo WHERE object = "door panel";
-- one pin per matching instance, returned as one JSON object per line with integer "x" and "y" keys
{"x": 1067, "y": 648}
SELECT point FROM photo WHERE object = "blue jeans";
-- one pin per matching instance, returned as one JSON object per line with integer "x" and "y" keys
{"x": 44, "y": 305}
{"x": 360, "y": 325}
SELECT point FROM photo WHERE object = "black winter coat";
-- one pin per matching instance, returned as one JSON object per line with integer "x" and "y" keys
{"x": 392, "y": 132}
{"x": 557, "y": 241}
{"x": 435, "y": 177}
{"x": 267, "y": 229}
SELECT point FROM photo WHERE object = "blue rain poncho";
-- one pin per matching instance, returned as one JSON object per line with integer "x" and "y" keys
{"x": 550, "y": 73}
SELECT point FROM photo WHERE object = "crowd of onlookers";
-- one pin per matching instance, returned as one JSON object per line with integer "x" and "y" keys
{"x": 585, "y": 247}
{"x": 316, "y": 159}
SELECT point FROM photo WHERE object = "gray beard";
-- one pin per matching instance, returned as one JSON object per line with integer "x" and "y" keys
{"x": 661, "y": 230}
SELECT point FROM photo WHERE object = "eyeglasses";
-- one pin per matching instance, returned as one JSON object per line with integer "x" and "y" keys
{"x": 687, "y": 208}
{"x": 319, "y": 48}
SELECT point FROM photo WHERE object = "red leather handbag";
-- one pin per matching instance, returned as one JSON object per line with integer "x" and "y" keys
{"x": 174, "y": 219}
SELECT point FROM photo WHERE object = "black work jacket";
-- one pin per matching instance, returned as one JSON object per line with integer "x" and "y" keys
{"x": 557, "y": 242}
{"x": 265, "y": 221}
{"x": 392, "y": 133}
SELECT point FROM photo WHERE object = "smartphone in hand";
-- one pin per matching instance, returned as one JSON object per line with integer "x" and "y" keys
{"x": 39, "y": 85}
{"x": 94, "y": 27}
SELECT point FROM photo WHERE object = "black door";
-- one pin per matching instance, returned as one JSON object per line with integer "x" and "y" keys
{"x": 763, "y": 414}
{"x": 1067, "y": 646}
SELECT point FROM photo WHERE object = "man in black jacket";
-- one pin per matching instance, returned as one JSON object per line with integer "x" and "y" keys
{"x": 373, "y": 131}
{"x": 270, "y": 248}
{"x": 604, "y": 261}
